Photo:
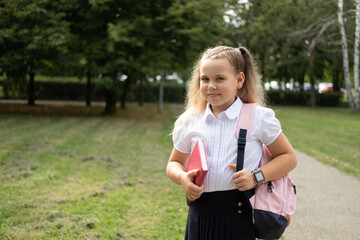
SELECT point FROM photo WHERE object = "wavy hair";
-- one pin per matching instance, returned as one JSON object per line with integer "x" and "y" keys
{"x": 242, "y": 61}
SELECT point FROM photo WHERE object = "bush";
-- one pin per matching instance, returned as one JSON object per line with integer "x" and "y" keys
{"x": 172, "y": 94}
{"x": 77, "y": 92}
{"x": 330, "y": 99}
{"x": 60, "y": 91}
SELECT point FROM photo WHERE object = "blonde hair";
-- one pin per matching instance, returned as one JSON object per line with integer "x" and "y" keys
{"x": 242, "y": 61}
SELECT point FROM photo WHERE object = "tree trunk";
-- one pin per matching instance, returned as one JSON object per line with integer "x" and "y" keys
{"x": 6, "y": 84}
{"x": 31, "y": 90}
{"x": 301, "y": 82}
{"x": 345, "y": 56}
{"x": 141, "y": 92}
{"x": 88, "y": 88}
{"x": 311, "y": 76}
{"x": 161, "y": 93}
{"x": 356, "y": 57}
{"x": 335, "y": 79}
{"x": 262, "y": 60}
{"x": 110, "y": 98}
{"x": 311, "y": 54}
{"x": 125, "y": 91}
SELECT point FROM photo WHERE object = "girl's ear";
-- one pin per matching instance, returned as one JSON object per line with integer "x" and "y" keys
{"x": 240, "y": 80}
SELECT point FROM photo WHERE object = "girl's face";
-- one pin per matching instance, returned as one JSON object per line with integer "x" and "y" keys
{"x": 219, "y": 83}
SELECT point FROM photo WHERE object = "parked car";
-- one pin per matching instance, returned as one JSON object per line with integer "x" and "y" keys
{"x": 328, "y": 87}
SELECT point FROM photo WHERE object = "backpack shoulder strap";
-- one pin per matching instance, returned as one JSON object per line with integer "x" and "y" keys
{"x": 245, "y": 118}
{"x": 243, "y": 129}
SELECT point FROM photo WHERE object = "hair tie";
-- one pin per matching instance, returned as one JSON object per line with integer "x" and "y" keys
{"x": 243, "y": 52}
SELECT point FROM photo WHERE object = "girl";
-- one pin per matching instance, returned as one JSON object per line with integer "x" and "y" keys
{"x": 222, "y": 80}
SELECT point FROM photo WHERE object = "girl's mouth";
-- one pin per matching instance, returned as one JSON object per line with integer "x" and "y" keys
{"x": 213, "y": 95}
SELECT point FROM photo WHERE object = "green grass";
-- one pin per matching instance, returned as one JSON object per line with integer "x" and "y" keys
{"x": 331, "y": 135}
{"x": 88, "y": 177}
{"x": 67, "y": 172}
{"x": 43, "y": 78}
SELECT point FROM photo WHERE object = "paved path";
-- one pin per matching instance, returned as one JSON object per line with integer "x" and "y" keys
{"x": 328, "y": 201}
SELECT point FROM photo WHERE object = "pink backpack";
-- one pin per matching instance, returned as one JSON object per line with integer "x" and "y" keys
{"x": 273, "y": 203}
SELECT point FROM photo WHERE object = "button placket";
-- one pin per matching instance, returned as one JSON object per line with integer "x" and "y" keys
{"x": 239, "y": 210}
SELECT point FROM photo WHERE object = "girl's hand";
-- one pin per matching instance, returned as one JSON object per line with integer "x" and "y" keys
{"x": 191, "y": 190}
{"x": 243, "y": 179}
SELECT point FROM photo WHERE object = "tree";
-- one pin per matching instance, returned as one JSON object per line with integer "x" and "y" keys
{"x": 158, "y": 37}
{"x": 127, "y": 43}
{"x": 32, "y": 35}
{"x": 312, "y": 31}
{"x": 287, "y": 43}
{"x": 311, "y": 52}
{"x": 188, "y": 28}
{"x": 89, "y": 25}
{"x": 344, "y": 47}
{"x": 356, "y": 56}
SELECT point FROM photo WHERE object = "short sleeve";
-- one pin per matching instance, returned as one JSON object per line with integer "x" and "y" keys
{"x": 269, "y": 126}
{"x": 179, "y": 137}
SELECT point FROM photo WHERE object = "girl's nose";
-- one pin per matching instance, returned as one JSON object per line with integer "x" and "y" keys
{"x": 212, "y": 85}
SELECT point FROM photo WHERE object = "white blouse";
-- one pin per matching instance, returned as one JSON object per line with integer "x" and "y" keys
{"x": 221, "y": 143}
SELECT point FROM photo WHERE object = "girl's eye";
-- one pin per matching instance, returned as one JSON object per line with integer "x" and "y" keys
{"x": 220, "y": 78}
{"x": 204, "y": 79}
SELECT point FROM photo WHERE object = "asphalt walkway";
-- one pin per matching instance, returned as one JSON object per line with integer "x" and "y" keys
{"x": 327, "y": 202}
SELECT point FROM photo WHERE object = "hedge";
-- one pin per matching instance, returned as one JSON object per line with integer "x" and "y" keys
{"x": 329, "y": 99}
{"x": 172, "y": 94}
{"x": 77, "y": 92}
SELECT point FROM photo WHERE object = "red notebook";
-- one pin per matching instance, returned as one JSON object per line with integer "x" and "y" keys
{"x": 198, "y": 160}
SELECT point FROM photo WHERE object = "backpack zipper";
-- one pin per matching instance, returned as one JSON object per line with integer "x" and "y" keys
{"x": 270, "y": 186}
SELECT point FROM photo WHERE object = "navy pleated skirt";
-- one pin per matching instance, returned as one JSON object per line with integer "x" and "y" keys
{"x": 223, "y": 215}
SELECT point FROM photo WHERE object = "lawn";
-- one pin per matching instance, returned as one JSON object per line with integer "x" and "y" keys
{"x": 88, "y": 176}
{"x": 71, "y": 173}
{"x": 331, "y": 135}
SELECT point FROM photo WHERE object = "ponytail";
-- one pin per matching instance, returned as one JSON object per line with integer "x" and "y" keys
{"x": 252, "y": 90}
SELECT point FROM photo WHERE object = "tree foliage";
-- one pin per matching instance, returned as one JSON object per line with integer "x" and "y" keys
{"x": 292, "y": 40}
{"x": 31, "y": 37}
{"x": 159, "y": 37}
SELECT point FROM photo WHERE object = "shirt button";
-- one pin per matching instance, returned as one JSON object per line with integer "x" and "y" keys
{"x": 239, "y": 204}
{"x": 239, "y": 212}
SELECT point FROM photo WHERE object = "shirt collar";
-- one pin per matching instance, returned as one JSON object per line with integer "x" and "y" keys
{"x": 208, "y": 113}
{"x": 231, "y": 113}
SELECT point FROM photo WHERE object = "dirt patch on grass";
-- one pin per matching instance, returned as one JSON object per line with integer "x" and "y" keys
{"x": 51, "y": 109}
{"x": 68, "y": 108}
{"x": 17, "y": 168}
{"x": 83, "y": 174}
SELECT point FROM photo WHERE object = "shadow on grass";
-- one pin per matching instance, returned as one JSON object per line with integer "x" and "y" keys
{"x": 133, "y": 110}
{"x": 50, "y": 109}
